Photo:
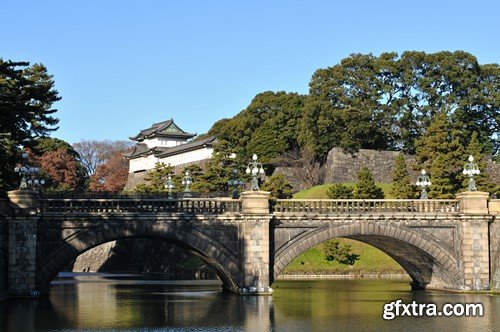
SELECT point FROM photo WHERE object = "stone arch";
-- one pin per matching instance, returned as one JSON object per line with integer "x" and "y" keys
{"x": 428, "y": 263}
{"x": 222, "y": 260}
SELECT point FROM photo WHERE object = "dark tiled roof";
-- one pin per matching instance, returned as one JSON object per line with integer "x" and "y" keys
{"x": 165, "y": 128}
{"x": 194, "y": 145}
{"x": 142, "y": 149}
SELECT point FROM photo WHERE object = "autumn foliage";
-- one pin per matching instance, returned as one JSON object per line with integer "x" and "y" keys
{"x": 111, "y": 175}
{"x": 61, "y": 167}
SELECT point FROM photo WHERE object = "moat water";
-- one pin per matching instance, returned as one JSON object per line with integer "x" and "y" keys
{"x": 100, "y": 302}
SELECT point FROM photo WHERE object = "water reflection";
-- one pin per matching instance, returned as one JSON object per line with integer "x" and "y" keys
{"x": 102, "y": 303}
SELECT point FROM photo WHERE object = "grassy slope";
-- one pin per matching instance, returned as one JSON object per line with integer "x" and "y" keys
{"x": 371, "y": 259}
{"x": 319, "y": 192}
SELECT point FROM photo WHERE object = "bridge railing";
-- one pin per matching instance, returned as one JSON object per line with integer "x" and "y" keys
{"x": 354, "y": 206}
{"x": 188, "y": 205}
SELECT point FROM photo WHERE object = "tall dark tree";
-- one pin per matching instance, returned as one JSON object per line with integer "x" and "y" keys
{"x": 483, "y": 181}
{"x": 402, "y": 186}
{"x": 440, "y": 150}
{"x": 27, "y": 94}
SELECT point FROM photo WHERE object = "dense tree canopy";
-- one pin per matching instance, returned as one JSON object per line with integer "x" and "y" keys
{"x": 267, "y": 127}
{"x": 387, "y": 102}
{"x": 373, "y": 102}
{"x": 27, "y": 94}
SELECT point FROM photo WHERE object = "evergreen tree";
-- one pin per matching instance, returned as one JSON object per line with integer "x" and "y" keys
{"x": 27, "y": 94}
{"x": 335, "y": 252}
{"x": 155, "y": 179}
{"x": 401, "y": 183}
{"x": 219, "y": 169}
{"x": 279, "y": 187}
{"x": 365, "y": 187}
{"x": 441, "y": 178}
{"x": 339, "y": 191}
{"x": 475, "y": 149}
{"x": 442, "y": 142}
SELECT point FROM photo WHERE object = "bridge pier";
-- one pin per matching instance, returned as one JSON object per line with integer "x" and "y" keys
{"x": 22, "y": 244}
{"x": 494, "y": 209}
{"x": 475, "y": 240}
{"x": 255, "y": 244}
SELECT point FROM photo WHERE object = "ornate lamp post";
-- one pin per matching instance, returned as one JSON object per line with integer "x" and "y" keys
{"x": 471, "y": 169}
{"x": 28, "y": 175}
{"x": 169, "y": 185}
{"x": 235, "y": 183}
{"x": 423, "y": 181}
{"x": 187, "y": 182}
{"x": 255, "y": 169}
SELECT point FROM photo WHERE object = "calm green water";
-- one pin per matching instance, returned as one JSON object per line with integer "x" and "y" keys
{"x": 98, "y": 303}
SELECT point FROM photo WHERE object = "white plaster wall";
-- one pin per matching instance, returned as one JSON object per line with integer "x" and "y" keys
{"x": 142, "y": 164}
{"x": 147, "y": 163}
{"x": 188, "y": 157}
{"x": 159, "y": 141}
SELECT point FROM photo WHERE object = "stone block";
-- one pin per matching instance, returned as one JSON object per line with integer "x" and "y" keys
{"x": 473, "y": 202}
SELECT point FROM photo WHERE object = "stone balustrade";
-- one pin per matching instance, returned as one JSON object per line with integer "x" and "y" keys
{"x": 354, "y": 206}
{"x": 141, "y": 205}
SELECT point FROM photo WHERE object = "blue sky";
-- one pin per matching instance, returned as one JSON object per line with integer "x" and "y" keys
{"x": 121, "y": 65}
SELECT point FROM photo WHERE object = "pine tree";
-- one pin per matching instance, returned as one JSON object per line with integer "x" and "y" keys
{"x": 441, "y": 142}
{"x": 279, "y": 187}
{"x": 339, "y": 191}
{"x": 155, "y": 179}
{"x": 441, "y": 178}
{"x": 483, "y": 181}
{"x": 365, "y": 187}
{"x": 401, "y": 183}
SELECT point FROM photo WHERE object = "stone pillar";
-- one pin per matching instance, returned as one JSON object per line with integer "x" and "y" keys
{"x": 475, "y": 239}
{"x": 22, "y": 245}
{"x": 473, "y": 202}
{"x": 255, "y": 249}
{"x": 494, "y": 208}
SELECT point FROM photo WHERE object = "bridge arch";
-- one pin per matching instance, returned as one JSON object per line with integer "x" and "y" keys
{"x": 429, "y": 264}
{"x": 220, "y": 258}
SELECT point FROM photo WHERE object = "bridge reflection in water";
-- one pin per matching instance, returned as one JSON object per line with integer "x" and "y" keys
{"x": 320, "y": 305}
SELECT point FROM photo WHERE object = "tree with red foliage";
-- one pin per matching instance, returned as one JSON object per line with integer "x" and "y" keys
{"x": 61, "y": 168}
{"x": 111, "y": 175}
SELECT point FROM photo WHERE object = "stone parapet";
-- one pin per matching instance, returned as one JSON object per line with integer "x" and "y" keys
{"x": 255, "y": 202}
{"x": 494, "y": 206}
{"x": 25, "y": 200}
{"x": 473, "y": 202}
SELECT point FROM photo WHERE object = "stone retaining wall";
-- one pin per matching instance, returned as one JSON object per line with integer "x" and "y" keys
{"x": 341, "y": 167}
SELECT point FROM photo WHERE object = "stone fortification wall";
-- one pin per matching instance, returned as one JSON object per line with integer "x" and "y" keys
{"x": 142, "y": 256}
{"x": 344, "y": 167}
{"x": 341, "y": 167}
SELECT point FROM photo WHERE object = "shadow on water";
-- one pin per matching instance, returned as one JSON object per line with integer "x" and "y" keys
{"x": 99, "y": 302}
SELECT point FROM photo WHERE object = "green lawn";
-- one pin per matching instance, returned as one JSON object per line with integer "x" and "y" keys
{"x": 371, "y": 260}
{"x": 319, "y": 192}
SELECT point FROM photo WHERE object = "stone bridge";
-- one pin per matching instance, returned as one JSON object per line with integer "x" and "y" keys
{"x": 442, "y": 244}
